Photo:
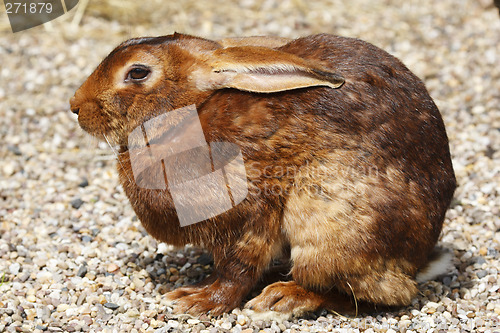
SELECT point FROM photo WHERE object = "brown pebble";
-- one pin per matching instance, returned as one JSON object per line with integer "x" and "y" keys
{"x": 112, "y": 268}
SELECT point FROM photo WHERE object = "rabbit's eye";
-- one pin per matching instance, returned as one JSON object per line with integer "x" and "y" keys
{"x": 137, "y": 74}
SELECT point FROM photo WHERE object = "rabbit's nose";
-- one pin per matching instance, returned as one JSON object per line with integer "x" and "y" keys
{"x": 72, "y": 102}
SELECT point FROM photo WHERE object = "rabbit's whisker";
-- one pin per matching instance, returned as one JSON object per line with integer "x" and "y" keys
{"x": 117, "y": 157}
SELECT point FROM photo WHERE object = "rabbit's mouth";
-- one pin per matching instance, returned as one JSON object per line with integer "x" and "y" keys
{"x": 101, "y": 124}
{"x": 95, "y": 119}
{"x": 99, "y": 130}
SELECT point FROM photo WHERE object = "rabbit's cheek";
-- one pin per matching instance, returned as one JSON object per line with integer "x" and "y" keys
{"x": 123, "y": 103}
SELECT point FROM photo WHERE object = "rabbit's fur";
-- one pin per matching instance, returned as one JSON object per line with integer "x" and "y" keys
{"x": 347, "y": 160}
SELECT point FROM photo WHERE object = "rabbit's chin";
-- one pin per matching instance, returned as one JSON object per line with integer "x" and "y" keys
{"x": 111, "y": 138}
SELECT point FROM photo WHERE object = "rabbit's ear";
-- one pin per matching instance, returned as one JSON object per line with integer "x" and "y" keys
{"x": 263, "y": 70}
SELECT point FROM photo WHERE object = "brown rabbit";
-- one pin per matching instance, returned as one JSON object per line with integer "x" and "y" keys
{"x": 347, "y": 163}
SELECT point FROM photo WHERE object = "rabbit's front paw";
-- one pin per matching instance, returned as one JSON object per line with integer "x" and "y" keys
{"x": 214, "y": 299}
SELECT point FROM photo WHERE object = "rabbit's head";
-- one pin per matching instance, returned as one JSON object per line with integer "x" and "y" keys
{"x": 145, "y": 77}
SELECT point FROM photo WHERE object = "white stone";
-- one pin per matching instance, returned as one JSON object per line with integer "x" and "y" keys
{"x": 14, "y": 268}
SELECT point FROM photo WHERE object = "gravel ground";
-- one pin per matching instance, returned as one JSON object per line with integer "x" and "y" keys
{"x": 73, "y": 256}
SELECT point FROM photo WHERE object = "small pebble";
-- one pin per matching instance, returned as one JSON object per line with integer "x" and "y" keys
{"x": 76, "y": 203}
{"x": 87, "y": 320}
{"x": 173, "y": 324}
{"x": 226, "y": 325}
{"x": 14, "y": 149}
{"x": 111, "y": 306}
{"x": 86, "y": 239}
{"x": 82, "y": 271}
{"x": 242, "y": 320}
{"x": 133, "y": 313}
{"x": 481, "y": 274}
{"x": 62, "y": 307}
{"x": 84, "y": 183}
{"x": 14, "y": 268}
{"x": 112, "y": 268}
